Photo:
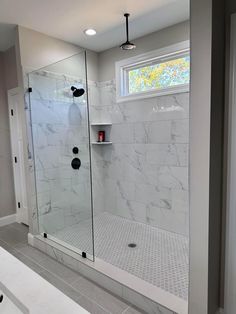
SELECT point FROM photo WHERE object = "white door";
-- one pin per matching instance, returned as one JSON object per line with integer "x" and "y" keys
{"x": 15, "y": 107}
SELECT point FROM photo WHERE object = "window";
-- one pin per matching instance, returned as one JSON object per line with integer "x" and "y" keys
{"x": 161, "y": 72}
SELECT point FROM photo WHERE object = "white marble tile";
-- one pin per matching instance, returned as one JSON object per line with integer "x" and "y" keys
{"x": 44, "y": 87}
{"x": 107, "y": 94}
{"x": 52, "y": 221}
{"x": 150, "y": 194}
{"x": 167, "y": 154}
{"x": 110, "y": 195}
{"x": 180, "y": 200}
{"x": 173, "y": 177}
{"x": 122, "y": 133}
{"x": 180, "y": 131}
{"x": 169, "y": 220}
{"x": 152, "y": 132}
{"x": 149, "y": 154}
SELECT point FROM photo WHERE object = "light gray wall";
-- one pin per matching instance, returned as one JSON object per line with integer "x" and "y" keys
{"x": 7, "y": 81}
{"x": 230, "y": 283}
{"x": 160, "y": 39}
{"x": 9, "y": 58}
{"x": 38, "y": 50}
{"x": 206, "y": 119}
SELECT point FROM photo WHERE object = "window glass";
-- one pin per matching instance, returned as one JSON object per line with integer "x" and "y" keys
{"x": 160, "y": 75}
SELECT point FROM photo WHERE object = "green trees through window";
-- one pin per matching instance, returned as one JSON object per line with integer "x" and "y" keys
{"x": 162, "y": 75}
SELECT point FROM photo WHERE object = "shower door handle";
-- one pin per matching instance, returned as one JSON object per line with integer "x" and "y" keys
{"x": 76, "y": 163}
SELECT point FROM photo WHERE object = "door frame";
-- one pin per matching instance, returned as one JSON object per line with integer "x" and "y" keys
{"x": 18, "y": 153}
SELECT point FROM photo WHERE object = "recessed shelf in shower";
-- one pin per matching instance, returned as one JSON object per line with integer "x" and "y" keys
{"x": 101, "y": 124}
{"x": 96, "y": 127}
{"x": 101, "y": 143}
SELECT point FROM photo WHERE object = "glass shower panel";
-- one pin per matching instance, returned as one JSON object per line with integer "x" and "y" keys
{"x": 61, "y": 145}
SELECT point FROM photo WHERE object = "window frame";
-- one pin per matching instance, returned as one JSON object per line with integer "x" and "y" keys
{"x": 156, "y": 56}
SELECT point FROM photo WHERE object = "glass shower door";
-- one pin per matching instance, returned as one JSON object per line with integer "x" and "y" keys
{"x": 61, "y": 146}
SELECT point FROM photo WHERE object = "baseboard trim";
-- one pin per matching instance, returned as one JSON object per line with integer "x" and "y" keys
{"x": 7, "y": 220}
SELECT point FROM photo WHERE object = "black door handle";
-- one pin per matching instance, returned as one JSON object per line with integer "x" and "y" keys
{"x": 76, "y": 163}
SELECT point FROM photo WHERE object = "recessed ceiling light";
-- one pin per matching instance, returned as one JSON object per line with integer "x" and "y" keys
{"x": 90, "y": 32}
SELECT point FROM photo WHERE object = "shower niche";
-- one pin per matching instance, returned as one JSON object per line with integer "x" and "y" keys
{"x": 101, "y": 127}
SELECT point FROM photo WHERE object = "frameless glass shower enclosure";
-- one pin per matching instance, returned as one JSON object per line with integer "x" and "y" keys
{"x": 61, "y": 146}
{"x": 140, "y": 177}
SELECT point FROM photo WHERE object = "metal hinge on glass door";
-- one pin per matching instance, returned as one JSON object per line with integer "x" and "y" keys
{"x": 30, "y": 89}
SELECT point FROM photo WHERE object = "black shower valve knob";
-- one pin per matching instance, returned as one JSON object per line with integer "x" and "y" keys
{"x": 75, "y": 150}
{"x": 76, "y": 163}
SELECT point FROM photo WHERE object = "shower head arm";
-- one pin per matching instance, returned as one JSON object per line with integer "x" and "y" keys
{"x": 126, "y": 15}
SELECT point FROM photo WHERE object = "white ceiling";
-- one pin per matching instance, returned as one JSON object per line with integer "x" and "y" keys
{"x": 66, "y": 19}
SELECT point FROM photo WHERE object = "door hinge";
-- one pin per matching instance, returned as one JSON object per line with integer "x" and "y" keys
{"x": 12, "y": 112}
{"x": 15, "y": 159}
{"x": 18, "y": 204}
{"x": 30, "y": 89}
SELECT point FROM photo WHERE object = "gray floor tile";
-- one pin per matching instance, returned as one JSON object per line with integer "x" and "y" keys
{"x": 28, "y": 262}
{"x": 90, "y": 296}
{"x": 60, "y": 270}
{"x": 30, "y": 252}
{"x": 91, "y": 307}
{"x": 6, "y": 246}
{"x": 100, "y": 296}
{"x": 20, "y": 227}
{"x": 61, "y": 285}
{"x": 12, "y": 236}
{"x": 132, "y": 310}
{"x": 5, "y": 227}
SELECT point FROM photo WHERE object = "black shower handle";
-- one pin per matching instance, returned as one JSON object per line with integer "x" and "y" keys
{"x": 76, "y": 163}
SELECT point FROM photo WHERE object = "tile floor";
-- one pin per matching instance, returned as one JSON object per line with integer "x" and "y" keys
{"x": 93, "y": 298}
{"x": 160, "y": 257}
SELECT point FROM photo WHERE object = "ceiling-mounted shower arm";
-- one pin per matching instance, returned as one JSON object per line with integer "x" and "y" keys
{"x": 126, "y": 15}
{"x": 127, "y": 45}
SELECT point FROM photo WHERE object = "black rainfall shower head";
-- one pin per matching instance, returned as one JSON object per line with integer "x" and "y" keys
{"x": 77, "y": 92}
{"x": 127, "y": 45}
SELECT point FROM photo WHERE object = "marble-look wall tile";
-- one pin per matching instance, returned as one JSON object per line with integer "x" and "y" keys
{"x": 145, "y": 171}
{"x": 143, "y": 176}
{"x": 152, "y": 132}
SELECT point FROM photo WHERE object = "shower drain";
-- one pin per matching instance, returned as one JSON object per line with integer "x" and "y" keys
{"x": 132, "y": 245}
